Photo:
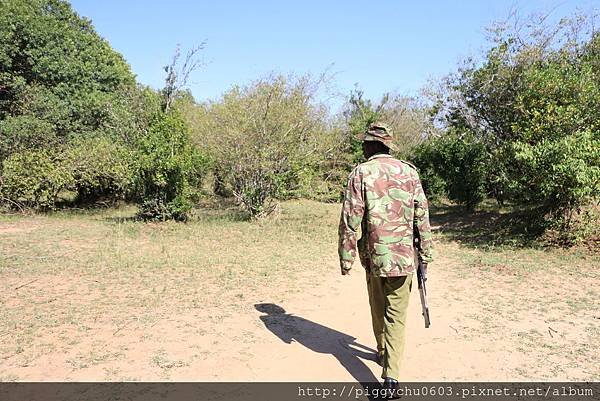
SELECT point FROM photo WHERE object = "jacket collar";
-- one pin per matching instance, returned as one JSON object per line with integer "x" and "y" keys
{"x": 378, "y": 155}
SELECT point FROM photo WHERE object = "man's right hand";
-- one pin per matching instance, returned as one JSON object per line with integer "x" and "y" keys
{"x": 345, "y": 267}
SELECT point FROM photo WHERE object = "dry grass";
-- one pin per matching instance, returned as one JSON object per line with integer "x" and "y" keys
{"x": 89, "y": 292}
{"x": 64, "y": 275}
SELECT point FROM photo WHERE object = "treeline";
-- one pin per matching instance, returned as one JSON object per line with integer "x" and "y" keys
{"x": 76, "y": 127}
{"x": 273, "y": 139}
{"x": 523, "y": 126}
{"x": 520, "y": 126}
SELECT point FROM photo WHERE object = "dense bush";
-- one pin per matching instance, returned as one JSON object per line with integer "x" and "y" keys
{"x": 560, "y": 174}
{"x": 267, "y": 140}
{"x": 66, "y": 98}
{"x": 531, "y": 109}
{"x": 101, "y": 168}
{"x": 34, "y": 178}
{"x": 168, "y": 169}
{"x": 161, "y": 172}
{"x": 93, "y": 168}
{"x": 455, "y": 165}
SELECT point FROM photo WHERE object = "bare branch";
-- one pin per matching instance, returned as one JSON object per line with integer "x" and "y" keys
{"x": 177, "y": 78}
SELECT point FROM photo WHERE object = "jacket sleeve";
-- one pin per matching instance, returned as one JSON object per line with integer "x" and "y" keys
{"x": 353, "y": 209}
{"x": 422, "y": 222}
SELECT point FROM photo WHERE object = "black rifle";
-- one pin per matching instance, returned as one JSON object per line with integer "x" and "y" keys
{"x": 421, "y": 277}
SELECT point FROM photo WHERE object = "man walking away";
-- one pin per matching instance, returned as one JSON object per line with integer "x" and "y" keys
{"x": 385, "y": 200}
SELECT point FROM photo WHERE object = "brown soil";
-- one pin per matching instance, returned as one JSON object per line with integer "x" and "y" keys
{"x": 480, "y": 331}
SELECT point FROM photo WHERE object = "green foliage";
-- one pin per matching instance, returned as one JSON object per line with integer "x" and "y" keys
{"x": 454, "y": 165}
{"x": 68, "y": 98}
{"x": 563, "y": 172}
{"x": 532, "y": 109}
{"x": 168, "y": 166}
{"x": 46, "y": 42}
{"x": 58, "y": 77}
{"x": 34, "y": 179}
{"x": 19, "y": 133}
{"x": 72, "y": 118}
{"x": 100, "y": 168}
{"x": 267, "y": 140}
{"x": 93, "y": 168}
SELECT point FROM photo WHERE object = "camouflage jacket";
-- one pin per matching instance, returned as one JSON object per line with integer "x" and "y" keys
{"x": 384, "y": 198}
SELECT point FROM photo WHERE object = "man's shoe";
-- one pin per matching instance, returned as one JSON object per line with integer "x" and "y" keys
{"x": 379, "y": 358}
{"x": 391, "y": 387}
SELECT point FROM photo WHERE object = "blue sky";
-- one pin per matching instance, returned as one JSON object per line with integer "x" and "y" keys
{"x": 379, "y": 45}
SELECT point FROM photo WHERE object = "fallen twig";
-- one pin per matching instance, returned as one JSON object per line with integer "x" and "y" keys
{"x": 454, "y": 329}
{"x": 550, "y": 330}
{"x": 26, "y": 284}
{"x": 17, "y": 204}
{"x": 122, "y": 327}
{"x": 32, "y": 257}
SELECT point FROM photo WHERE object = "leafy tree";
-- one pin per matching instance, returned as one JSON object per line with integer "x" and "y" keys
{"x": 69, "y": 98}
{"x": 267, "y": 139}
{"x": 534, "y": 104}
{"x": 168, "y": 166}
{"x": 34, "y": 178}
{"x": 455, "y": 165}
{"x": 55, "y": 67}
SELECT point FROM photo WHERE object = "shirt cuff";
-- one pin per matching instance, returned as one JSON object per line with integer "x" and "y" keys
{"x": 346, "y": 264}
{"x": 427, "y": 256}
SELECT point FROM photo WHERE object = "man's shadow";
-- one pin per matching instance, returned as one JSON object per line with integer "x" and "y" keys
{"x": 321, "y": 339}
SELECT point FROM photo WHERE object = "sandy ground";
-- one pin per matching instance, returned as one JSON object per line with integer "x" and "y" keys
{"x": 324, "y": 334}
{"x": 490, "y": 322}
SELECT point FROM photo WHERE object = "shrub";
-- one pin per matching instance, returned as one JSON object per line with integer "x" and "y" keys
{"x": 100, "y": 167}
{"x": 267, "y": 139}
{"x": 34, "y": 178}
{"x": 565, "y": 173}
{"x": 455, "y": 165}
{"x": 532, "y": 107}
{"x": 167, "y": 168}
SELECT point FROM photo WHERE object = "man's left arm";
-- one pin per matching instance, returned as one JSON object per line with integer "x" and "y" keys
{"x": 353, "y": 209}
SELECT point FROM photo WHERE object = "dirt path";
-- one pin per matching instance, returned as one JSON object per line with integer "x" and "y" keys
{"x": 144, "y": 302}
{"x": 323, "y": 333}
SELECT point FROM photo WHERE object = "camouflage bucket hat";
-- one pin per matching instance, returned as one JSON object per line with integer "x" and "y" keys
{"x": 379, "y": 132}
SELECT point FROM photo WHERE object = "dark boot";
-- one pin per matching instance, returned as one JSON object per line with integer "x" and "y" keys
{"x": 391, "y": 387}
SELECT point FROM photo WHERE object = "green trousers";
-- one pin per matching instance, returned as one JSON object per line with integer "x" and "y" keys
{"x": 388, "y": 297}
